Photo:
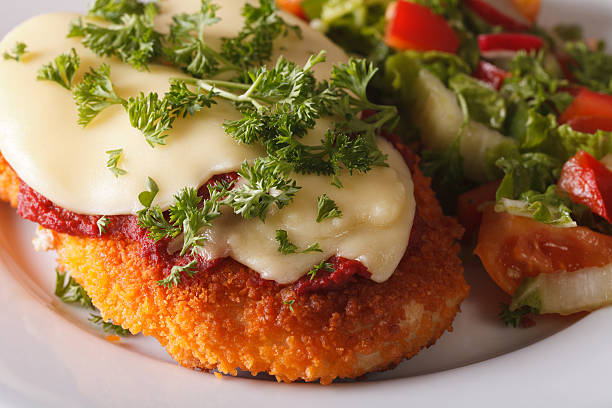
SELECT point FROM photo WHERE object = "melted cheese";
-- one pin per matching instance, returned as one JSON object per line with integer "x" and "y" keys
{"x": 41, "y": 140}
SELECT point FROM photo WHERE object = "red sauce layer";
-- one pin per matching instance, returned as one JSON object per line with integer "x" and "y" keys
{"x": 37, "y": 208}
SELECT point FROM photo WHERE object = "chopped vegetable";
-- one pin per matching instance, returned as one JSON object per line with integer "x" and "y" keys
{"x": 528, "y": 8}
{"x": 588, "y": 182}
{"x": 565, "y": 292}
{"x": 588, "y": 103}
{"x": 513, "y": 247}
{"x": 416, "y": 27}
{"x": 470, "y": 206}
{"x": 495, "y": 17}
{"x": 590, "y": 124}
{"x": 509, "y": 42}
{"x": 294, "y": 7}
{"x": 490, "y": 74}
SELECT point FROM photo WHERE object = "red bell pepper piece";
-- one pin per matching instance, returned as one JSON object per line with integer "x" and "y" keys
{"x": 469, "y": 211}
{"x": 495, "y": 17}
{"x": 509, "y": 42}
{"x": 588, "y": 182}
{"x": 490, "y": 74}
{"x": 588, "y": 103}
{"x": 590, "y": 124}
{"x": 292, "y": 6}
{"x": 415, "y": 27}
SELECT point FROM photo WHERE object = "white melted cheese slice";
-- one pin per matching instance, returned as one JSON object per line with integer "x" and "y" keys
{"x": 40, "y": 138}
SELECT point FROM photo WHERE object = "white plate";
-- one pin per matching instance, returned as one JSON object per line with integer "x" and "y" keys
{"x": 51, "y": 356}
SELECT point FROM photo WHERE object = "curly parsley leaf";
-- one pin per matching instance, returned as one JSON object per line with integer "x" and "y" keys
{"x": 113, "y": 10}
{"x": 187, "y": 47}
{"x": 323, "y": 266}
{"x": 94, "y": 94}
{"x": 174, "y": 278}
{"x": 286, "y": 247}
{"x": 254, "y": 43}
{"x": 108, "y": 327}
{"x": 152, "y": 116}
{"x": 327, "y": 208}
{"x": 265, "y": 184}
{"x": 133, "y": 39}
{"x": 289, "y": 303}
{"x": 102, "y": 224}
{"x": 69, "y": 291}
{"x": 146, "y": 197}
{"x": 61, "y": 70}
{"x": 16, "y": 53}
{"x": 114, "y": 158}
{"x": 515, "y": 317}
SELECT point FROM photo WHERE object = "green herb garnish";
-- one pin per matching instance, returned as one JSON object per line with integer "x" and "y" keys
{"x": 108, "y": 327}
{"x": 16, "y": 53}
{"x": 114, "y": 157}
{"x": 102, "y": 223}
{"x": 174, "y": 278}
{"x": 327, "y": 208}
{"x": 287, "y": 247}
{"x": 62, "y": 70}
{"x": 69, "y": 291}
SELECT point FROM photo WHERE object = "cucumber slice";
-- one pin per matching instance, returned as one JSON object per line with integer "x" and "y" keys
{"x": 566, "y": 292}
{"x": 438, "y": 116}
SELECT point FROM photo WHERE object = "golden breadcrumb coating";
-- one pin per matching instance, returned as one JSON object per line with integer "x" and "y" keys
{"x": 225, "y": 319}
{"x": 9, "y": 183}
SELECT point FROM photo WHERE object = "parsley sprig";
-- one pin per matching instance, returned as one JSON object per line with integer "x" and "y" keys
{"x": 327, "y": 208}
{"x": 132, "y": 39}
{"x": 61, "y": 70}
{"x": 113, "y": 10}
{"x": 114, "y": 158}
{"x": 287, "y": 247}
{"x": 94, "y": 94}
{"x": 174, "y": 278}
{"x": 69, "y": 291}
{"x": 323, "y": 266}
{"x": 189, "y": 215}
{"x": 16, "y": 53}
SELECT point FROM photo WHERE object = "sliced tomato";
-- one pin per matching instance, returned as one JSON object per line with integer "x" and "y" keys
{"x": 412, "y": 26}
{"x": 493, "y": 16}
{"x": 490, "y": 74}
{"x": 588, "y": 103}
{"x": 292, "y": 6}
{"x": 513, "y": 247}
{"x": 590, "y": 124}
{"x": 509, "y": 42}
{"x": 588, "y": 182}
{"x": 528, "y": 8}
{"x": 469, "y": 211}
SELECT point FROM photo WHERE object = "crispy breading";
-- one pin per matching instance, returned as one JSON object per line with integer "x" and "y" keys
{"x": 225, "y": 319}
{"x": 9, "y": 183}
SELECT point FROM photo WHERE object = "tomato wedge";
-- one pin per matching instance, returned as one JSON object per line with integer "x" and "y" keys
{"x": 490, "y": 74}
{"x": 528, "y": 8}
{"x": 493, "y": 16}
{"x": 294, "y": 7}
{"x": 509, "y": 42}
{"x": 412, "y": 26}
{"x": 588, "y": 182}
{"x": 469, "y": 211}
{"x": 588, "y": 103}
{"x": 590, "y": 124}
{"x": 513, "y": 247}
